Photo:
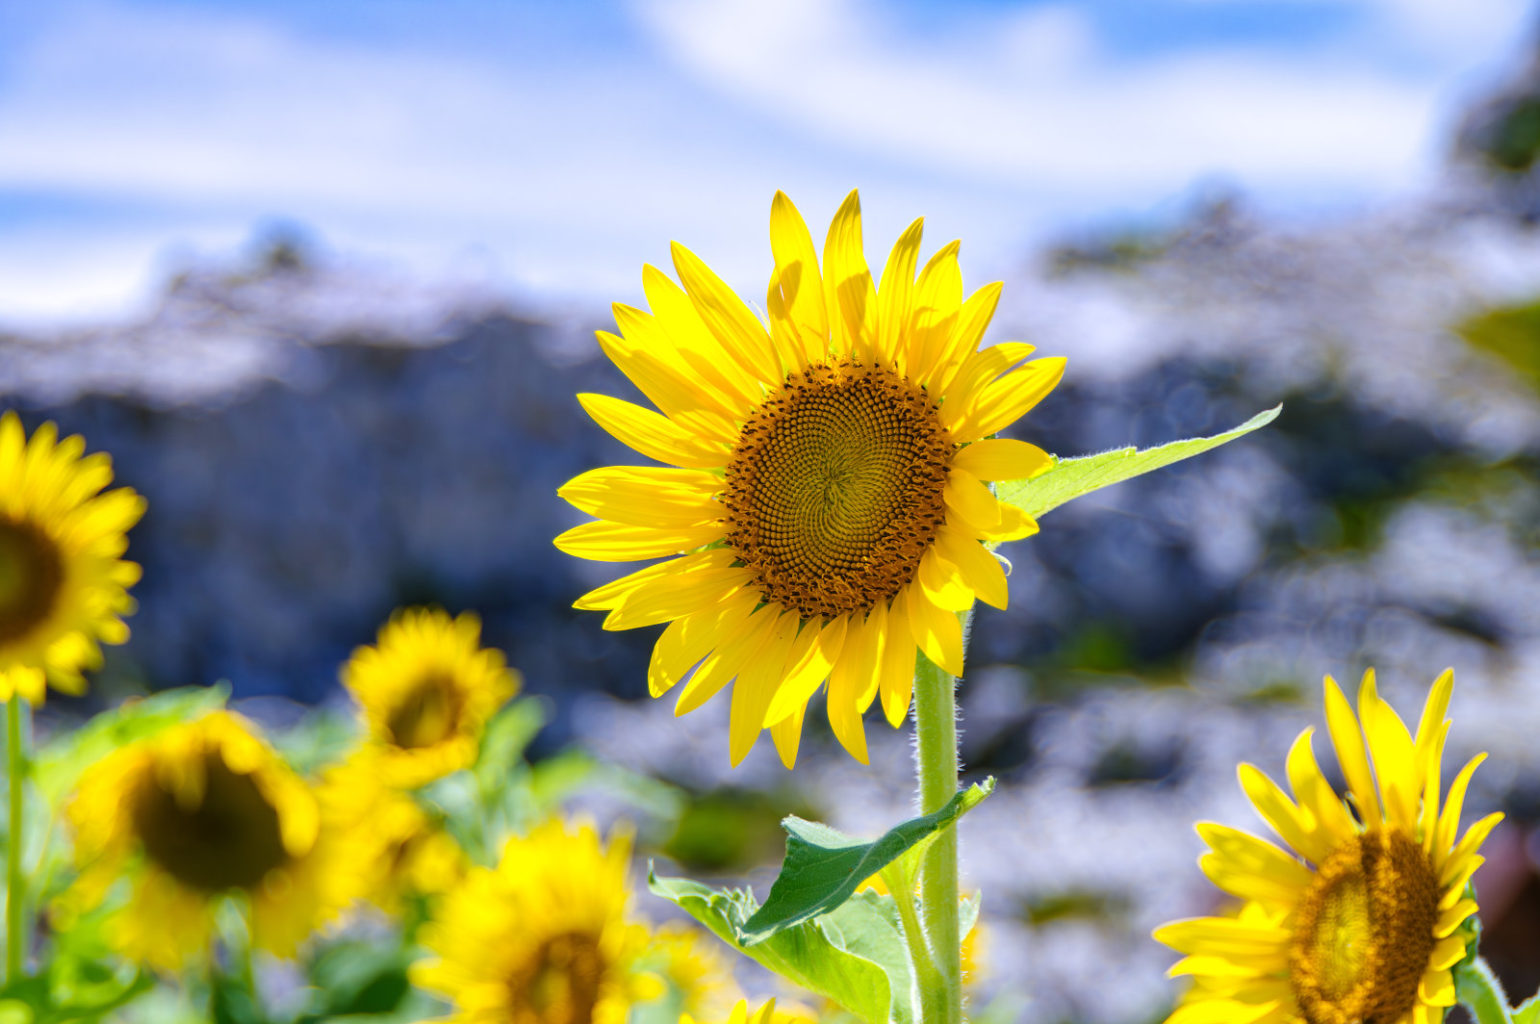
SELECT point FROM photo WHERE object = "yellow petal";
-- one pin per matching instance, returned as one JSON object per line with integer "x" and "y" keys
{"x": 1448, "y": 952}
{"x": 898, "y": 657}
{"x": 1449, "y": 818}
{"x": 677, "y": 337}
{"x": 1436, "y": 988}
{"x": 654, "y": 435}
{"x": 895, "y": 294}
{"x": 937, "y": 632}
{"x": 1349, "y": 744}
{"x": 858, "y": 668}
{"x": 727, "y": 660}
{"x": 980, "y": 569}
{"x": 604, "y": 541}
{"x": 1221, "y": 935}
{"x": 1009, "y": 398}
{"x": 672, "y": 596}
{"x": 1001, "y": 459}
{"x": 676, "y": 392}
{"x": 797, "y": 264}
{"x": 756, "y": 684}
{"x": 1293, "y": 826}
{"x": 933, "y": 316}
{"x": 967, "y": 332}
{"x": 848, "y": 289}
{"x": 690, "y": 638}
{"x": 1466, "y": 847}
{"x": 787, "y": 734}
{"x": 610, "y": 594}
{"x": 975, "y": 374}
{"x": 1391, "y": 753}
{"x": 941, "y": 583}
{"x": 1333, "y": 824}
{"x": 725, "y": 315}
{"x": 647, "y": 495}
{"x": 810, "y": 667}
{"x": 1452, "y": 917}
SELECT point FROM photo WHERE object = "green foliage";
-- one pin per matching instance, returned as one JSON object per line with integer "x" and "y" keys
{"x": 824, "y": 867}
{"x": 854, "y": 955}
{"x": 91, "y": 995}
{"x": 1529, "y": 1013}
{"x": 1512, "y": 334}
{"x": 1067, "y": 479}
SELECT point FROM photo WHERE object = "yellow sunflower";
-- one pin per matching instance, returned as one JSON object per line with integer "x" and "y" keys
{"x": 63, "y": 582}
{"x": 694, "y": 967}
{"x": 199, "y": 811}
{"x": 426, "y": 691}
{"x": 766, "y": 1014}
{"x": 1359, "y": 919}
{"x": 399, "y": 850}
{"x": 825, "y": 489}
{"x": 544, "y": 938}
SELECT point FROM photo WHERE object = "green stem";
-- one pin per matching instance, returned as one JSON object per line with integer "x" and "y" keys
{"x": 15, "y": 883}
{"x": 1481, "y": 993}
{"x": 935, "y": 727}
{"x": 927, "y": 979}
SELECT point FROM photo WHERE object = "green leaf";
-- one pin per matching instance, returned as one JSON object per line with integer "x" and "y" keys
{"x": 854, "y": 955}
{"x": 1068, "y": 479}
{"x": 58, "y": 765}
{"x": 823, "y": 866}
{"x": 1528, "y": 1013}
{"x": 507, "y": 735}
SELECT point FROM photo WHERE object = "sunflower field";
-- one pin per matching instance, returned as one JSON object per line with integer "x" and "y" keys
{"x": 436, "y": 787}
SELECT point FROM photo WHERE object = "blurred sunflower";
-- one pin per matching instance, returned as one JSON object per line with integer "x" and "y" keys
{"x": 826, "y": 490}
{"x": 1368, "y": 926}
{"x": 202, "y": 810}
{"x": 426, "y": 691}
{"x": 766, "y": 1014}
{"x": 543, "y": 938}
{"x": 400, "y": 852}
{"x": 695, "y": 968}
{"x": 63, "y": 582}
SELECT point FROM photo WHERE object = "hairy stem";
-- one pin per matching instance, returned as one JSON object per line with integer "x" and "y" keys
{"x": 1481, "y": 993}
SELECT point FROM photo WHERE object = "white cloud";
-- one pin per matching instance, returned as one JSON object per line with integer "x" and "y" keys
{"x": 1027, "y": 97}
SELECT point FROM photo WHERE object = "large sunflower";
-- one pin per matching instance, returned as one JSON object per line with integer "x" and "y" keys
{"x": 199, "y": 811}
{"x": 1359, "y": 919}
{"x": 426, "y": 691}
{"x": 544, "y": 938}
{"x": 63, "y": 582}
{"x": 825, "y": 489}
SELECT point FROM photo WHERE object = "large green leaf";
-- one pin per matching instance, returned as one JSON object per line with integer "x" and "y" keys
{"x": 824, "y": 866}
{"x": 1529, "y": 1013}
{"x": 854, "y": 955}
{"x": 1067, "y": 479}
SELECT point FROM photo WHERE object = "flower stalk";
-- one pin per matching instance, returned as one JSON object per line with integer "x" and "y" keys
{"x": 15, "y": 881}
{"x": 935, "y": 727}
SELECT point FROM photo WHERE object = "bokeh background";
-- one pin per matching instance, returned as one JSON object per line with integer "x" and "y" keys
{"x": 323, "y": 279}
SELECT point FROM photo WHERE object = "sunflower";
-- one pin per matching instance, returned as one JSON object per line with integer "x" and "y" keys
{"x": 199, "y": 811}
{"x": 426, "y": 691}
{"x": 825, "y": 490}
{"x": 63, "y": 583}
{"x": 544, "y": 938}
{"x": 1360, "y": 919}
{"x": 401, "y": 851}
{"x": 694, "y": 968}
{"x": 766, "y": 1014}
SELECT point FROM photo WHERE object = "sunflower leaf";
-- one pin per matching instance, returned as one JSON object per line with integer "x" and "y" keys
{"x": 823, "y": 866}
{"x": 1529, "y": 1013}
{"x": 1067, "y": 479}
{"x": 854, "y": 955}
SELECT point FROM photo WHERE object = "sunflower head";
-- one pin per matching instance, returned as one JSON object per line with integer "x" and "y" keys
{"x": 63, "y": 582}
{"x": 823, "y": 505}
{"x": 426, "y": 690}
{"x": 202, "y": 810}
{"x": 543, "y": 938}
{"x": 401, "y": 851}
{"x": 1359, "y": 916}
{"x": 693, "y": 967}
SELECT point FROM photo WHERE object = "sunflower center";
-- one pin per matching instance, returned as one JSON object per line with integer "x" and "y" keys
{"x": 427, "y": 714}
{"x": 229, "y": 840}
{"x": 835, "y": 489}
{"x": 560, "y": 983}
{"x": 31, "y": 575}
{"x": 1364, "y": 931}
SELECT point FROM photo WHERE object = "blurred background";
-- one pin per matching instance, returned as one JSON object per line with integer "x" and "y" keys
{"x": 323, "y": 279}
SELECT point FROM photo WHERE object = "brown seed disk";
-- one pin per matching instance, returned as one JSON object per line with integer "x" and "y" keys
{"x": 1364, "y": 931}
{"x": 836, "y": 488}
{"x": 31, "y": 576}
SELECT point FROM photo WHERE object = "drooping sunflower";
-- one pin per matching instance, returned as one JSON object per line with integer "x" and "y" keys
{"x": 63, "y": 582}
{"x": 202, "y": 810}
{"x": 543, "y": 938}
{"x": 1359, "y": 917}
{"x": 400, "y": 851}
{"x": 426, "y": 690}
{"x": 824, "y": 507}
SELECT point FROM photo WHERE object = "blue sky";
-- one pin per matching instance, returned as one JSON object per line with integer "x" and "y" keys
{"x": 551, "y": 149}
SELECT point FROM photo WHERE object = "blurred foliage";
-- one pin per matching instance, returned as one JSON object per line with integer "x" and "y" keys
{"x": 1511, "y": 333}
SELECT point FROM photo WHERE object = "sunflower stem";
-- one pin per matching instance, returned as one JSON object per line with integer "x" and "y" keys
{"x": 1481, "y": 993}
{"x": 935, "y": 728}
{"x": 15, "y": 881}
